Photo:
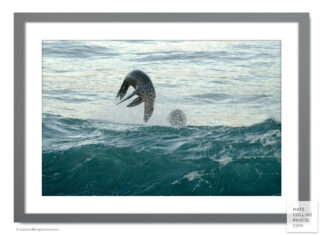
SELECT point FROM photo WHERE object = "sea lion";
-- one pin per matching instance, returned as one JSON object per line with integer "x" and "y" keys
{"x": 143, "y": 88}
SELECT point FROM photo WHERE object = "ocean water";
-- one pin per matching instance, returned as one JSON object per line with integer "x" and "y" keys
{"x": 230, "y": 92}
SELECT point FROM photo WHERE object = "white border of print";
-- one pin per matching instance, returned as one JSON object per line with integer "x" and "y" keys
{"x": 36, "y": 32}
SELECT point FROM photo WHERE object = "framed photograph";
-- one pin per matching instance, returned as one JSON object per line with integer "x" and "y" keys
{"x": 161, "y": 117}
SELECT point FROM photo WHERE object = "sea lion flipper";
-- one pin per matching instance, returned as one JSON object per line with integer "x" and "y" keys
{"x": 148, "y": 110}
{"x": 135, "y": 102}
{"x": 123, "y": 90}
{"x": 128, "y": 97}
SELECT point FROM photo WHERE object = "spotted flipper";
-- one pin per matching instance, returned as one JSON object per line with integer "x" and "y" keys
{"x": 135, "y": 102}
{"x": 148, "y": 110}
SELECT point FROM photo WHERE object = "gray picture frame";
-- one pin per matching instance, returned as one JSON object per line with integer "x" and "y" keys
{"x": 20, "y": 20}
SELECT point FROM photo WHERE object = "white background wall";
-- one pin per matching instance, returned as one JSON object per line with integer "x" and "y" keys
{"x": 6, "y": 96}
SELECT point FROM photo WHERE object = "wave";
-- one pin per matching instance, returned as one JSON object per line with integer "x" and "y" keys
{"x": 75, "y": 49}
{"x": 94, "y": 157}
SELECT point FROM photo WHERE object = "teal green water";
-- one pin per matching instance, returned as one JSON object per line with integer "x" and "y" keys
{"x": 104, "y": 158}
{"x": 229, "y": 91}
